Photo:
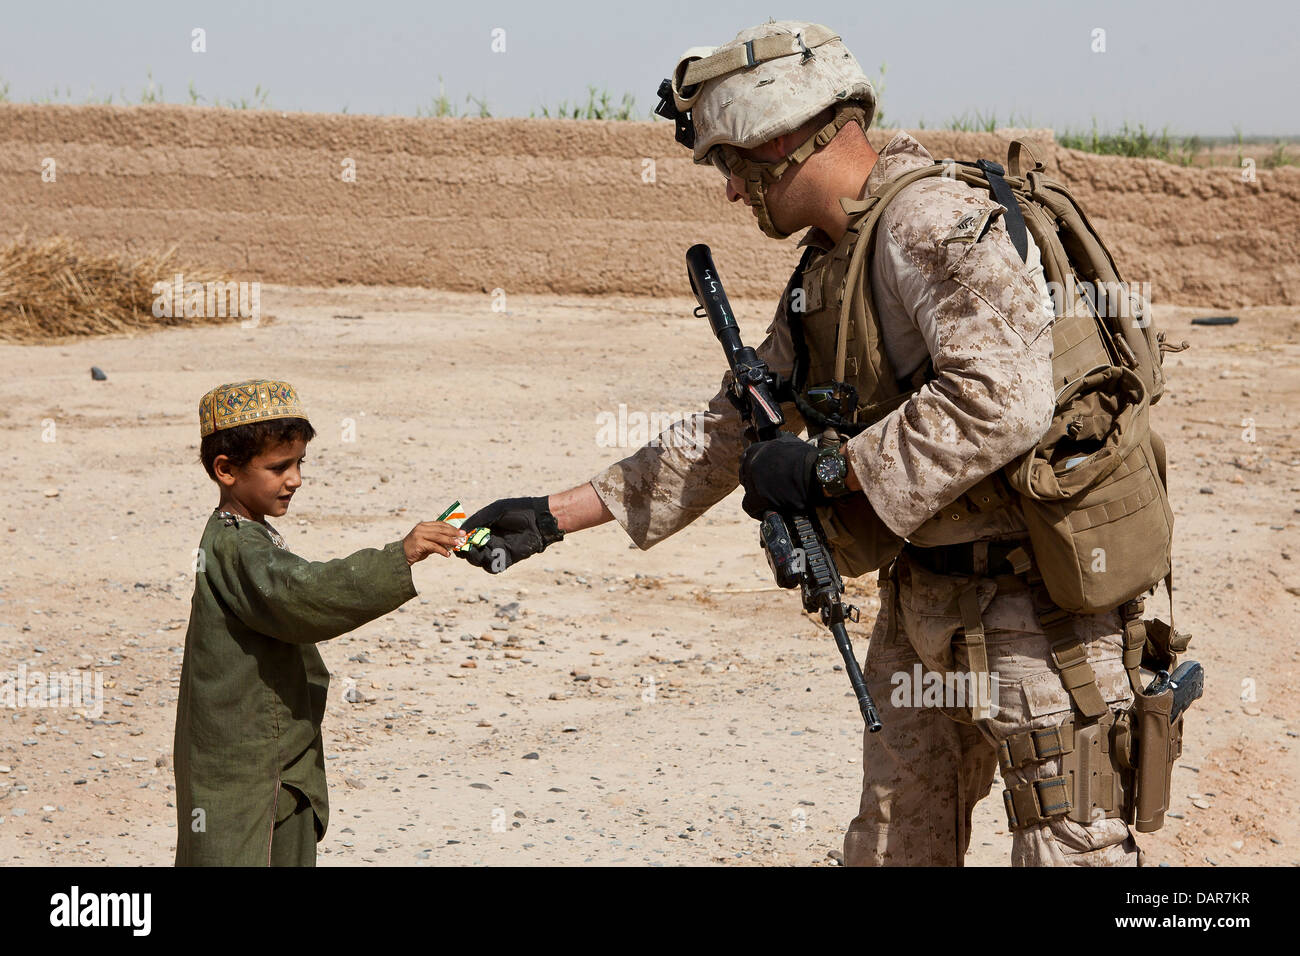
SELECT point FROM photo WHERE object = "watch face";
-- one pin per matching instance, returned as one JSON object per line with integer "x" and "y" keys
{"x": 831, "y": 469}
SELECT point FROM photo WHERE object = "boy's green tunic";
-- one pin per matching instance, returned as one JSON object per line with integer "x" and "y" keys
{"x": 253, "y": 685}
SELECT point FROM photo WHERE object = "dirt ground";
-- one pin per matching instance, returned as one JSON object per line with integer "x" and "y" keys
{"x": 667, "y": 707}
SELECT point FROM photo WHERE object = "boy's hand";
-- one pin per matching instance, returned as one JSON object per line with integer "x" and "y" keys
{"x": 429, "y": 537}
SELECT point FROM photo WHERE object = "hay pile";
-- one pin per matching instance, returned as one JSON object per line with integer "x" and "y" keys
{"x": 54, "y": 290}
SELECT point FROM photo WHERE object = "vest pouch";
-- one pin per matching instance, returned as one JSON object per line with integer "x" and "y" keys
{"x": 859, "y": 541}
{"x": 1096, "y": 509}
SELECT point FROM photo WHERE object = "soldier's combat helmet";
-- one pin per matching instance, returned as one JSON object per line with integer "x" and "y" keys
{"x": 771, "y": 79}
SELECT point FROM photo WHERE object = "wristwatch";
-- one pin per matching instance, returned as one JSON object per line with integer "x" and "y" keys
{"x": 831, "y": 470}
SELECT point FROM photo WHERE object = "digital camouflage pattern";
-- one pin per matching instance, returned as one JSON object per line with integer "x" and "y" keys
{"x": 974, "y": 308}
{"x": 752, "y": 106}
{"x": 949, "y": 286}
{"x": 926, "y": 769}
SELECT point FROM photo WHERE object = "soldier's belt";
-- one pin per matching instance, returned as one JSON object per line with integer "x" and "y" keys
{"x": 986, "y": 558}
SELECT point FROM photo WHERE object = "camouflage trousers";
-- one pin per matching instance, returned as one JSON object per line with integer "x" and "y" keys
{"x": 926, "y": 769}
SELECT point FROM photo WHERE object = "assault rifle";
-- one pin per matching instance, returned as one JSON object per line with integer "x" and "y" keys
{"x": 794, "y": 543}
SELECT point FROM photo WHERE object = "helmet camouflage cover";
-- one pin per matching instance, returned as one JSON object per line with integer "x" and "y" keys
{"x": 770, "y": 80}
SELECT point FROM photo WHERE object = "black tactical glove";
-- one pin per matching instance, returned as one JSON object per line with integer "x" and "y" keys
{"x": 521, "y": 527}
{"x": 778, "y": 476}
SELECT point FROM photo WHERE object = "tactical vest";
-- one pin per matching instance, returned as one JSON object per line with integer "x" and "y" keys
{"x": 853, "y": 352}
{"x": 1091, "y": 495}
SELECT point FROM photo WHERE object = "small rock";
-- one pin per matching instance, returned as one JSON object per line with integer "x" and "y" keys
{"x": 1238, "y": 844}
{"x": 97, "y": 374}
{"x": 1201, "y": 804}
{"x": 532, "y": 756}
{"x": 51, "y": 492}
{"x": 354, "y": 783}
{"x": 481, "y": 786}
{"x": 1207, "y": 491}
{"x": 97, "y": 754}
{"x": 1251, "y": 711}
{"x": 836, "y": 857}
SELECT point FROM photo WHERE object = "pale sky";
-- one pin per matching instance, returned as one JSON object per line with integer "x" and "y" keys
{"x": 1196, "y": 67}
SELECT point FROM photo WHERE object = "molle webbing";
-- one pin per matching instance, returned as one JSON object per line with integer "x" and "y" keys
{"x": 1037, "y": 801}
{"x": 1035, "y": 746}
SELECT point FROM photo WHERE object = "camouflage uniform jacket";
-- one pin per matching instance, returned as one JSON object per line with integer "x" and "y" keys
{"x": 974, "y": 308}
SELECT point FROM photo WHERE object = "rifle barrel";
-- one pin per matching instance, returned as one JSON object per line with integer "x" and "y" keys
{"x": 865, "y": 703}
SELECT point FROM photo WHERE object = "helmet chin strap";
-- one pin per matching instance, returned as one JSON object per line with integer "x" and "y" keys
{"x": 757, "y": 190}
{"x": 759, "y": 176}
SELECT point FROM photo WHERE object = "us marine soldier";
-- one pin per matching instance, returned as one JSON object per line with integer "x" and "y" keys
{"x": 961, "y": 362}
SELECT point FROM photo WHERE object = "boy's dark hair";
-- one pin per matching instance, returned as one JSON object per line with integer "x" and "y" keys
{"x": 243, "y": 443}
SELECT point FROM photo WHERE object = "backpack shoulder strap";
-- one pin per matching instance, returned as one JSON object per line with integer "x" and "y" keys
{"x": 1002, "y": 193}
{"x": 864, "y": 218}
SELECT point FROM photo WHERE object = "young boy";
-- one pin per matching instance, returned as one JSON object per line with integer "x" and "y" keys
{"x": 250, "y": 767}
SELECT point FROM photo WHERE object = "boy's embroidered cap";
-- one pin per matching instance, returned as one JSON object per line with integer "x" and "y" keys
{"x": 240, "y": 403}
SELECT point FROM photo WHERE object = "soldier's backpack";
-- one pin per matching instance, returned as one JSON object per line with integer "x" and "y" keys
{"x": 1093, "y": 491}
